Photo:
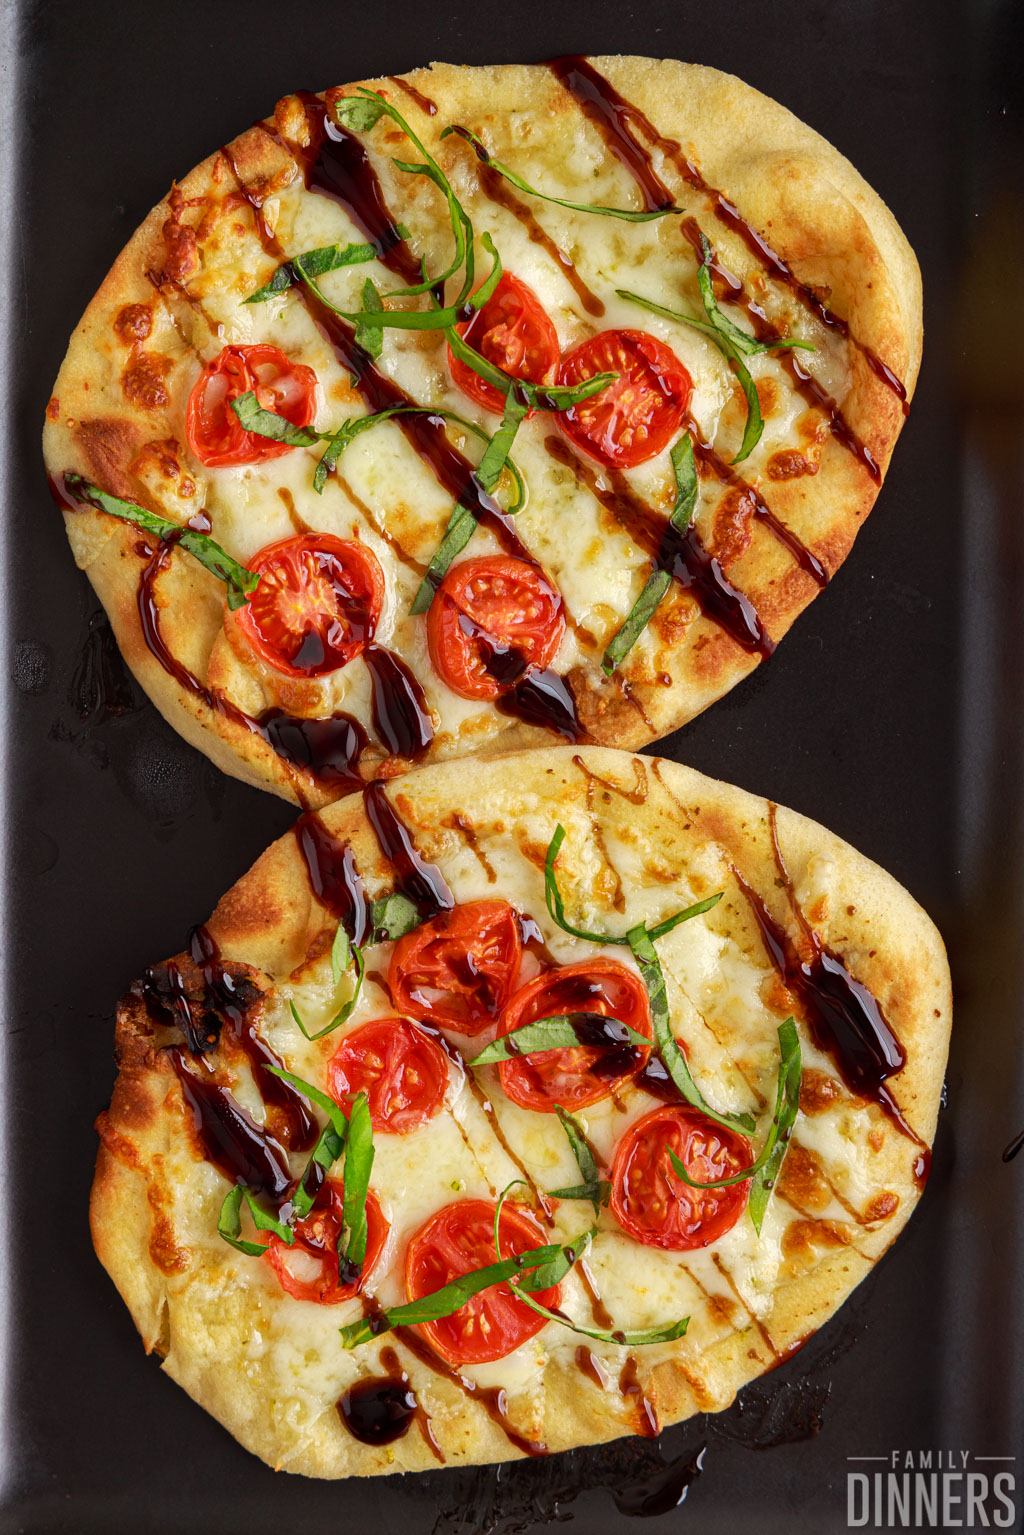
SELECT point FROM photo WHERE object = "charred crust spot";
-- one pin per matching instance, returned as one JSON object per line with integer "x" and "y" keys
{"x": 133, "y": 323}
{"x": 142, "y": 382}
{"x": 722, "y": 1309}
{"x": 108, "y": 446}
{"x": 882, "y": 1206}
{"x": 789, "y": 464}
{"x": 320, "y": 946}
{"x": 818, "y": 1091}
{"x": 768, "y": 396}
{"x": 179, "y": 994}
{"x": 119, "y": 1146}
{"x": 162, "y": 458}
{"x": 53, "y": 408}
{"x": 802, "y": 1181}
{"x": 732, "y": 528}
{"x": 802, "y": 1237}
{"x": 181, "y": 259}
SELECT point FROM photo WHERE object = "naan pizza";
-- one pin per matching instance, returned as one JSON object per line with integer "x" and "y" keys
{"x": 480, "y": 409}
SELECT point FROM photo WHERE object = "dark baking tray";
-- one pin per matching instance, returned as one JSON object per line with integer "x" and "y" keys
{"x": 892, "y": 714}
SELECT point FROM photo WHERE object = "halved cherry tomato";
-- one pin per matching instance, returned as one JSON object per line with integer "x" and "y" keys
{"x": 215, "y": 434}
{"x": 309, "y": 1270}
{"x": 512, "y": 331}
{"x": 584, "y": 1074}
{"x": 490, "y": 621}
{"x": 316, "y": 606}
{"x": 458, "y": 970}
{"x": 634, "y": 418}
{"x": 402, "y": 1071}
{"x": 451, "y": 1243}
{"x": 653, "y": 1204}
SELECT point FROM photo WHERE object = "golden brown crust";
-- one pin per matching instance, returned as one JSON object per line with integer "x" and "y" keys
{"x": 117, "y": 409}
{"x": 643, "y": 834}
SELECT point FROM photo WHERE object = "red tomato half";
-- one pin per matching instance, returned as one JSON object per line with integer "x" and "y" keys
{"x": 215, "y": 434}
{"x": 309, "y": 1269}
{"x": 512, "y": 331}
{"x": 586, "y": 1073}
{"x": 636, "y": 417}
{"x": 460, "y": 1238}
{"x": 490, "y": 621}
{"x": 653, "y": 1204}
{"x": 316, "y": 606}
{"x": 402, "y": 1071}
{"x": 459, "y": 969}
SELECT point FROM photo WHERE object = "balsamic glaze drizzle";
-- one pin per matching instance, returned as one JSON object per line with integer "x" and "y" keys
{"x": 422, "y": 882}
{"x": 682, "y": 554}
{"x": 333, "y": 876}
{"x": 615, "y": 118}
{"x": 400, "y": 715}
{"x": 230, "y": 1137}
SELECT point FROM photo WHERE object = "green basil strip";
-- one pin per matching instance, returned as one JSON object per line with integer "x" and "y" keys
{"x": 646, "y": 956}
{"x": 790, "y": 1072}
{"x": 344, "y": 1013}
{"x": 335, "y": 1114}
{"x": 265, "y": 423}
{"x": 552, "y": 1274}
{"x": 535, "y": 396}
{"x": 553, "y": 896}
{"x": 229, "y": 1223}
{"x": 326, "y": 1152}
{"x": 459, "y": 530}
{"x": 554, "y": 1033}
{"x": 370, "y": 339}
{"x": 696, "y": 910}
{"x": 631, "y": 216}
{"x": 597, "y": 1190}
{"x": 787, "y": 1101}
{"x": 443, "y": 1302}
{"x": 360, "y": 113}
{"x": 241, "y": 583}
{"x": 658, "y": 582}
{"x": 393, "y": 916}
{"x": 341, "y": 953}
{"x": 488, "y": 471}
{"x": 315, "y": 263}
{"x": 358, "y": 1165}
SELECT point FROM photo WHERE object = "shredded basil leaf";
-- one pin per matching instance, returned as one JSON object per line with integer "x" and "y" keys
{"x": 360, "y": 113}
{"x": 344, "y": 1013}
{"x": 597, "y": 1190}
{"x": 630, "y": 215}
{"x": 366, "y": 336}
{"x": 326, "y": 1152}
{"x": 393, "y": 916}
{"x": 536, "y": 396}
{"x": 659, "y": 581}
{"x": 335, "y": 1114}
{"x": 553, "y": 896}
{"x": 316, "y": 263}
{"x": 459, "y": 530}
{"x": 241, "y": 583}
{"x": 765, "y": 1169}
{"x": 696, "y": 910}
{"x": 646, "y": 956}
{"x": 555, "y": 1033}
{"x": 443, "y": 1302}
{"x": 265, "y": 423}
{"x": 552, "y": 1274}
{"x": 229, "y": 1223}
{"x": 488, "y": 471}
{"x": 732, "y": 342}
{"x": 358, "y": 1165}
{"x": 341, "y": 953}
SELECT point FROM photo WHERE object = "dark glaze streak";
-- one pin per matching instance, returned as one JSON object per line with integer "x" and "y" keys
{"x": 602, "y": 1316}
{"x": 491, "y": 1398}
{"x": 643, "y": 1411}
{"x": 682, "y": 554}
{"x": 333, "y": 876}
{"x": 731, "y": 289}
{"x": 379, "y": 1411}
{"x": 1016, "y": 1145}
{"x": 400, "y": 714}
{"x": 423, "y": 102}
{"x": 845, "y": 1019}
{"x": 635, "y": 796}
{"x": 611, "y": 115}
{"x": 663, "y": 1490}
{"x": 328, "y": 749}
{"x": 498, "y": 190}
{"x": 297, "y": 1124}
{"x": 231, "y": 1139}
{"x": 422, "y": 882}
{"x": 590, "y": 1365}
{"x": 337, "y": 166}
{"x": 615, "y": 118}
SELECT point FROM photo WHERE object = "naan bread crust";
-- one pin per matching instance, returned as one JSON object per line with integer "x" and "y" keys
{"x": 644, "y": 836}
{"x": 175, "y": 296}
